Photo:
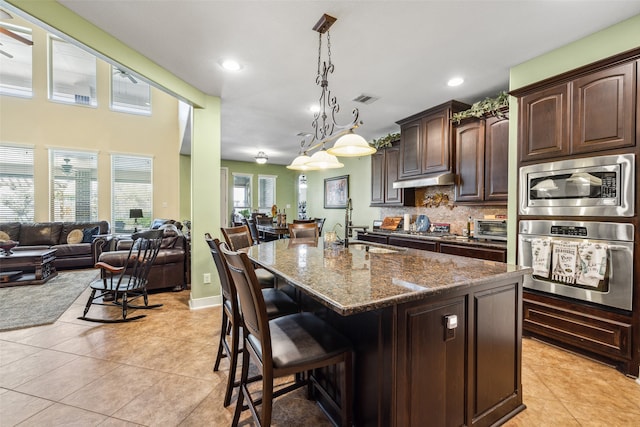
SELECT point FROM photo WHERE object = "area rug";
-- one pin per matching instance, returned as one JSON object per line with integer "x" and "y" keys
{"x": 32, "y": 305}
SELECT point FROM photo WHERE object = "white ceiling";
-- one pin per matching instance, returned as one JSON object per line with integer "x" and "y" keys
{"x": 402, "y": 52}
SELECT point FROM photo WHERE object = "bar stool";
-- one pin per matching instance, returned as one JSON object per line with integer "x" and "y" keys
{"x": 288, "y": 345}
{"x": 277, "y": 302}
{"x": 240, "y": 237}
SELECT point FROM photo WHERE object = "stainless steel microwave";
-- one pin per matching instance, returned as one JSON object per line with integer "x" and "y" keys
{"x": 591, "y": 186}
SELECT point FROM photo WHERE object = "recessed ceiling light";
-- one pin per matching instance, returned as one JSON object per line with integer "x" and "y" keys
{"x": 231, "y": 65}
{"x": 456, "y": 81}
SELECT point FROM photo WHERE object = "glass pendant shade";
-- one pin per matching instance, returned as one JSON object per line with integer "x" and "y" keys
{"x": 351, "y": 145}
{"x": 323, "y": 160}
{"x": 300, "y": 163}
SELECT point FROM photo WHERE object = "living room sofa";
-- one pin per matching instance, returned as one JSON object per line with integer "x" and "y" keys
{"x": 169, "y": 268}
{"x": 76, "y": 243}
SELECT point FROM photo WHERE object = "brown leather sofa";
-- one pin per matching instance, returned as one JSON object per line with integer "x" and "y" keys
{"x": 169, "y": 268}
{"x": 75, "y": 242}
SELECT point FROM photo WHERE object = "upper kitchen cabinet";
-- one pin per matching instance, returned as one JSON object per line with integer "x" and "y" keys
{"x": 425, "y": 146}
{"x": 482, "y": 157}
{"x": 587, "y": 110}
{"x": 385, "y": 170}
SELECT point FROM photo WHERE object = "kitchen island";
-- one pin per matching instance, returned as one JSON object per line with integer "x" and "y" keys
{"x": 437, "y": 337}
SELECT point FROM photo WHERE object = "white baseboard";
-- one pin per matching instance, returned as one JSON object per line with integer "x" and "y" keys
{"x": 198, "y": 303}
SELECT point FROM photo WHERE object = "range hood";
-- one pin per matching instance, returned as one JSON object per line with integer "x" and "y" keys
{"x": 446, "y": 178}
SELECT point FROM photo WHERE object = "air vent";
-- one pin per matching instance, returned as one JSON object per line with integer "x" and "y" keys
{"x": 365, "y": 99}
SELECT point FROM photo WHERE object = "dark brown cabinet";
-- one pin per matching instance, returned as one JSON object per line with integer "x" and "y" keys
{"x": 491, "y": 254}
{"x": 592, "y": 112}
{"x": 425, "y": 146}
{"x": 482, "y": 157}
{"x": 385, "y": 166}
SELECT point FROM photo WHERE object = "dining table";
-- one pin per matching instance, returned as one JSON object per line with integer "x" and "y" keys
{"x": 437, "y": 337}
{"x": 274, "y": 230}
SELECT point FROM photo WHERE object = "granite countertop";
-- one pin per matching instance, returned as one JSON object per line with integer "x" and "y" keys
{"x": 355, "y": 279}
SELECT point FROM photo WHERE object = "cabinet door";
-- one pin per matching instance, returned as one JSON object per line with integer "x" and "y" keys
{"x": 496, "y": 160}
{"x": 411, "y": 148}
{"x": 431, "y": 365}
{"x": 436, "y": 151}
{"x": 392, "y": 168}
{"x": 544, "y": 124}
{"x": 491, "y": 254}
{"x": 603, "y": 110}
{"x": 377, "y": 177}
{"x": 470, "y": 161}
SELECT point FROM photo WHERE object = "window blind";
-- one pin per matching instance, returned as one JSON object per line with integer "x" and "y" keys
{"x": 74, "y": 185}
{"x": 16, "y": 184}
{"x": 131, "y": 188}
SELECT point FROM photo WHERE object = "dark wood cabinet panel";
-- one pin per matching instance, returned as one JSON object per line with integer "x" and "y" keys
{"x": 603, "y": 109}
{"x": 411, "y": 148}
{"x": 385, "y": 170}
{"x": 496, "y": 160}
{"x": 375, "y": 238}
{"x": 490, "y": 254}
{"x": 587, "y": 328}
{"x": 544, "y": 124}
{"x": 431, "y": 383}
{"x": 436, "y": 148}
{"x": 425, "y": 245}
{"x": 470, "y": 161}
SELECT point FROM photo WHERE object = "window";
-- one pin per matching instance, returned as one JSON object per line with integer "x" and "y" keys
{"x": 16, "y": 183}
{"x": 16, "y": 70}
{"x": 73, "y": 74}
{"x": 131, "y": 188}
{"x": 74, "y": 185}
{"x": 129, "y": 93}
{"x": 266, "y": 192}
{"x": 242, "y": 191}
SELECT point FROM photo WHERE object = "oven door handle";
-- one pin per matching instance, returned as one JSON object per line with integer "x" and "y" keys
{"x": 611, "y": 247}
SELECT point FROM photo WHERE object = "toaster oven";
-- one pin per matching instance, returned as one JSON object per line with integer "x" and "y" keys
{"x": 490, "y": 229}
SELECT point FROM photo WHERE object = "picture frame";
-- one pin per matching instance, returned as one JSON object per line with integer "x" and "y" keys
{"x": 336, "y": 192}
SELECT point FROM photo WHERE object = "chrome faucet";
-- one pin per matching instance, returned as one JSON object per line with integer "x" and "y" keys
{"x": 347, "y": 223}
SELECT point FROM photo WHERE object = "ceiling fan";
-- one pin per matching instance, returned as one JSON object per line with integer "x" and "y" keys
{"x": 12, "y": 34}
{"x": 123, "y": 73}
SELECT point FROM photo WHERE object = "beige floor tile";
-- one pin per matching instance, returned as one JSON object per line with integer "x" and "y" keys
{"x": 17, "y": 407}
{"x": 11, "y": 351}
{"x": 589, "y": 414}
{"x": 165, "y": 403}
{"x": 28, "y": 368}
{"x": 543, "y": 413}
{"x": 59, "y": 414}
{"x": 50, "y": 337}
{"x": 61, "y": 382}
{"x": 111, "y": 392}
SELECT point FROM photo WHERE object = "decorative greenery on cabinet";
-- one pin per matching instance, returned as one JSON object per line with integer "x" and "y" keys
{"x": 487, "y": 107}
{"x": 385, "y": 141}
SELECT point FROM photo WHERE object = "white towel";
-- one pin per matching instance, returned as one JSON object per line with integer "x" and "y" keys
{"x": 564, "y": 259}
{"x": 541, "y": 255}
{"x": 592, "y": 263}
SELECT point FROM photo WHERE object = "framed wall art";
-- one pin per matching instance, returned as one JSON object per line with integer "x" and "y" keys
{"x": 336, "y": 192}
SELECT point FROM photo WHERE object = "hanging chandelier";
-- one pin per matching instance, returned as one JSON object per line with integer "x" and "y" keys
{"x": 326, "y": 129}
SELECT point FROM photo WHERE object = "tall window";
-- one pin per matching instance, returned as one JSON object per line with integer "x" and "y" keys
{"x": 74, "y": 185}
{"x": 16, "y": 70}
{"x": 242, "y": 191}
{"x": 16, "y": 184}
{"x": 131, "y": 188}
{"x": 129, "y": 93}
{"x": 73, "y": 74}
{"x": 266, "y": 192}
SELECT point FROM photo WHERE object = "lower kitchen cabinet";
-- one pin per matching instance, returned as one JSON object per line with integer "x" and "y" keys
{"x": 425, "y": 245}
{"x": 601, "y": 334}
{"x": 490, "y": 254}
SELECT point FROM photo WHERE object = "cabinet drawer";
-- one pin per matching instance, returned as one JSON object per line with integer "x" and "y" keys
{"x": 490, "y": 254}
{"x": 601, "y": 333}
{"x": 415, "y": 244}
{"x": 372, "y": 238}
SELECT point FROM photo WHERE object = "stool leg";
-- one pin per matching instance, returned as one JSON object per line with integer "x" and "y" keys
{"x": 223, "y": 332}
{"x": 233, "y": 362}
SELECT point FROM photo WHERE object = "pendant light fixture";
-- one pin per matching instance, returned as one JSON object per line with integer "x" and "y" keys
{"x": 348, "y": 143}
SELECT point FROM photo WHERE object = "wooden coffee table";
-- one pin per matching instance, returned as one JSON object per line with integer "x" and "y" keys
{"x": 27, "y": 267}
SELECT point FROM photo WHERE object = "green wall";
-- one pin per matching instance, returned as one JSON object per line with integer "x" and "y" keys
{"x": 608, "y": 42}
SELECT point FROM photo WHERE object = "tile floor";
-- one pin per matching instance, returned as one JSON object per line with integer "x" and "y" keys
{"x": 157, "y": 372}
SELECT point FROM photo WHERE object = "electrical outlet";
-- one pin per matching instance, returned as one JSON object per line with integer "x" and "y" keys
{"x": 207, "y": 278}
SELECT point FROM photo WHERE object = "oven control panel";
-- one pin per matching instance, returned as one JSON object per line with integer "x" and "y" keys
{"x": 564, "y": 230}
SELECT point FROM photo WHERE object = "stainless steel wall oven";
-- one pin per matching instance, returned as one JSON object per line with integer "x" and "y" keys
{"x": 591, "y": 186}
{"x": 554, "y": 248}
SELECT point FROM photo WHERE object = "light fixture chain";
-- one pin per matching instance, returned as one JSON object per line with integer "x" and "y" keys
{"x": 329, "y": 46}
{"x": 319, "y": 51}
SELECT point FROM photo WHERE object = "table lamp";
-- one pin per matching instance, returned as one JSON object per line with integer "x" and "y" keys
{"x": 135, "y": 214}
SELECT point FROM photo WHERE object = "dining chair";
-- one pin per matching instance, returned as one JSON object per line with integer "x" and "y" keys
{"x": 320, "y": 222}
{"x": 277, "y": 302}
{"x": 303, "y": 221}
{"x": 120, "y": 285}
{"x": 292, "y": 345}
{"x": 253, "y": 229}
{"x": 303, "y": 230}
{"x": 240, "y": 237}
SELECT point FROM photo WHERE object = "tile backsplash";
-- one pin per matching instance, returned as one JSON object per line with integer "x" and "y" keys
{"x": 452, "y": 213}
